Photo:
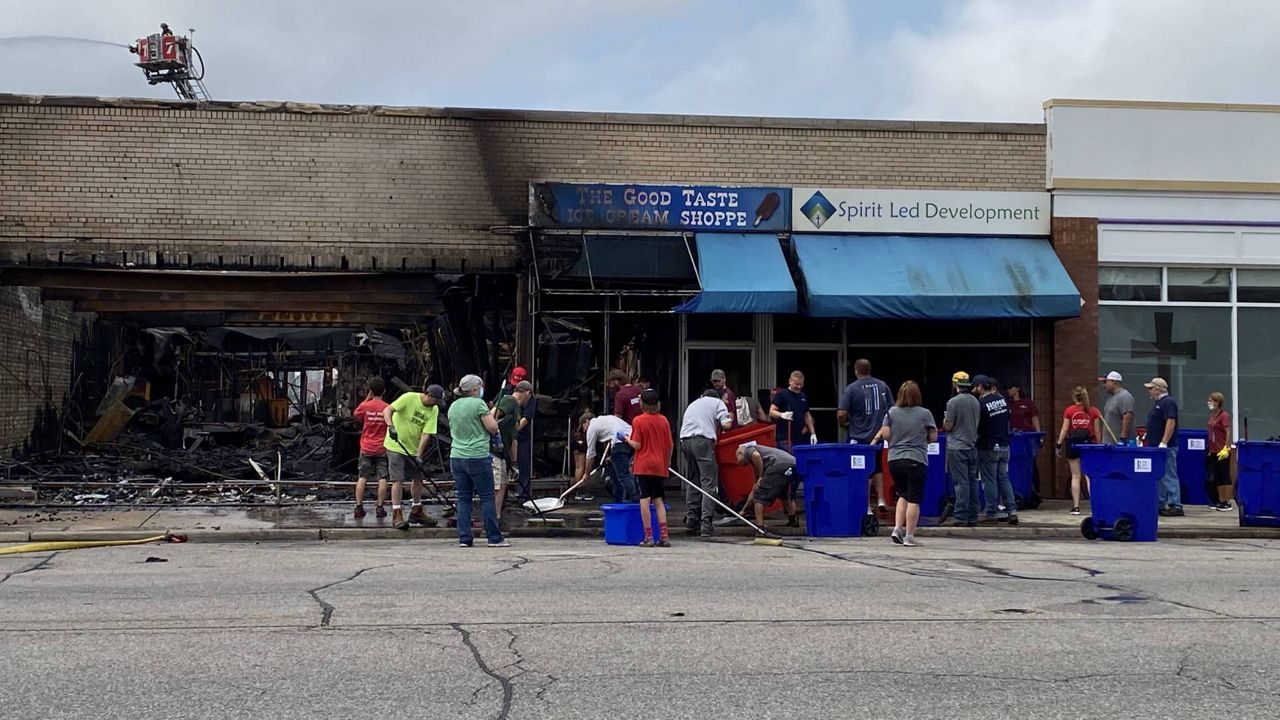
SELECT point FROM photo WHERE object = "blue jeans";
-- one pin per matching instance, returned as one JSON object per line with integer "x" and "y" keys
{"x": 1170, "y": 490}
{"x": 471, "y": 477}
{"x": 963, "y": 466}
{"x": 625, "y": 489}
{"x": 994, "y": 465}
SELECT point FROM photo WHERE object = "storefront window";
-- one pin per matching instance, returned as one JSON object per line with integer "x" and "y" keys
{"x": 1259, "y": 373}
{"x": 1188, "y": 346}
{"x": 720, "y": 327}
{"x": 1257, "y": 286}
{"x": 800, "y": 329}
{"x": 1199, "y": 285}
{"x": 1137, "y": 284}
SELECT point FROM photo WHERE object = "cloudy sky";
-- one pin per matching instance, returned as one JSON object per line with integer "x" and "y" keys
{"x": 915, "y": 59}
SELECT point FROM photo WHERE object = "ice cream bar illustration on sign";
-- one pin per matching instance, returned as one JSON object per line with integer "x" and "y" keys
{"x": 767, "y": 208}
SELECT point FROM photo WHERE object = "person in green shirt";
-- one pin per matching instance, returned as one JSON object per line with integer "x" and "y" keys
{"x": 411, "y": 421}
{"x": 472, "y": 425}
{"x": 507, "y": 413}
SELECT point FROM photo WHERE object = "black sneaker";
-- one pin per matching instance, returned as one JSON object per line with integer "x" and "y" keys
{"x": 1224, "y": 507}
{"x": 1171, "y": 511}
{"x": 1013, "y": 519}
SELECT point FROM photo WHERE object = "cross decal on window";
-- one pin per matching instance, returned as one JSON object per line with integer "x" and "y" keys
{"x": 1163, "y": 348}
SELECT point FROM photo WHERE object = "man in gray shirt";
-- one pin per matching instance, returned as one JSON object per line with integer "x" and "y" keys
{"x": 961, "y": 424}
{"x": 863, "y": 406}
{"x": 1117, "y": 416}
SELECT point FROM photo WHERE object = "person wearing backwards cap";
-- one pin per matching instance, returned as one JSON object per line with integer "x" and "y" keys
{"x": 1117, "y": 414}
{"x": 961, "y": 423}
{"x": 1162, "y": 431}
{"x": 473, "y": 425}
{"x": 411, "y": 421}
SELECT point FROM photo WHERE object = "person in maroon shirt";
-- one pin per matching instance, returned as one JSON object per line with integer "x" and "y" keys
{"x": 720, "y": 382}
{"x": 1023, "y": 414}
{"x": 626, "y": 403}
{"x": 1217, "y": 458}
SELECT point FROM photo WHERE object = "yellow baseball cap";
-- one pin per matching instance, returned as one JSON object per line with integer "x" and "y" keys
{"x": 960, "y": 378}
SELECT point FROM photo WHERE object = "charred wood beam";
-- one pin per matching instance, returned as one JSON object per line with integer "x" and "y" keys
{"x": 191, "y": 281}
{"x": 365, "y": 298}
{"x": 262, "y": 318}
{"x": 299, "y": 303}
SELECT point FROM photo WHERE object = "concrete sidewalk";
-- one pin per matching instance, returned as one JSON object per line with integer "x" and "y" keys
{"x": 333, "y": 521}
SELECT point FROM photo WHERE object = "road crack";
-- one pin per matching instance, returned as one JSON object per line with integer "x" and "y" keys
{"x": 520, "y": 562}
{"x": 326, "y": 609}
{"x": 508, "y": 693}
{"x": 38, "y": 566}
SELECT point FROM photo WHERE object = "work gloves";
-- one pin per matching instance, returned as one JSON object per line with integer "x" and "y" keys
{"x": 788, "y": 415}
{"x": 813, "y": 439}
{"x": 1224, "y": 453}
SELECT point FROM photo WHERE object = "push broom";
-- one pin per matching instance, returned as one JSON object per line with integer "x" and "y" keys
{"x": 762, "y": 537}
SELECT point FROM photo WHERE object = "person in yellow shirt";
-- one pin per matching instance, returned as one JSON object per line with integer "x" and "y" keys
{"x": 411, "y": 422}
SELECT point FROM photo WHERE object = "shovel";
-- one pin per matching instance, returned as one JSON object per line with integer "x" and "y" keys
{"x": 548, "y": 504}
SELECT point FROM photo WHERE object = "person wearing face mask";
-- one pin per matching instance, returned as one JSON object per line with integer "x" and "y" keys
{"x": 1217, "y": 458}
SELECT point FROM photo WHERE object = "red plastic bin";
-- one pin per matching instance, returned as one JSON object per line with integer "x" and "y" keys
{"x": 739, "y": 479}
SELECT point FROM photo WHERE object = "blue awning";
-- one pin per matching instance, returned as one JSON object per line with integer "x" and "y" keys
{"x": 742, "y": 274}
{"x": 935, "y": 278}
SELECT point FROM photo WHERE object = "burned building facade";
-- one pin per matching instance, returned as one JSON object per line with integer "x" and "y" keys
{"x": 424, "y": 225}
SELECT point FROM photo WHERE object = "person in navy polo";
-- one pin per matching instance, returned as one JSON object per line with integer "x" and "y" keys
{"x": 790, "y": 410}
{"x": 1162, "y": 431}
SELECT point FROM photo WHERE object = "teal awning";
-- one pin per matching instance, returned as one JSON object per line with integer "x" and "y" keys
{"x": 742, "y": 273}
{"x": 934, "y": 277}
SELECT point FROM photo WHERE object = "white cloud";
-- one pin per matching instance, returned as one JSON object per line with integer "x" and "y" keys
{"x": 1000, "y": 59}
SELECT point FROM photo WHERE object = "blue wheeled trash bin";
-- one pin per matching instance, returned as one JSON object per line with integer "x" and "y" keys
{"x": 836, "y": 477}
{"x": 1123, "y": 491}
{"x": 1191, "y": 452}
{"x": 1024, "y": 449}
{"x": 939, "y": 494}
{"x": 1258, "y": 483}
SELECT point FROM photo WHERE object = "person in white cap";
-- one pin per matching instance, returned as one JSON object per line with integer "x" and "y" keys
{"x": 1117, "y": 415}
{"x": 1162, "y": 431}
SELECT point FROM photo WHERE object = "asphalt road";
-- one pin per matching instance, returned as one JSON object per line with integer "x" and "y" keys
{"x": 578, "y": 629}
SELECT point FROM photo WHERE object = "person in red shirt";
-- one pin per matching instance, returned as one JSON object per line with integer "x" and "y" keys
{"x": 1024, "y": 416}
{"x": 651, "y": 439}
{"x": 1081, "y": 424}
{"x": 626, "y": 403}
{"x": 1217, "y": 458}
{"x": 373, "y": 455}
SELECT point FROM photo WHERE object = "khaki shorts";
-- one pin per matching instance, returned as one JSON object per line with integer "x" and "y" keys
{"x": 499, "y": 472}
{"x": 401, "y": 469}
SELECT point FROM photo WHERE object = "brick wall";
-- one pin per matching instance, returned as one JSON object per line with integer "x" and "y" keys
{"x": 86, "y": 180}
{"x": 35, "y": 367}
{"x": 1075, "y": 341}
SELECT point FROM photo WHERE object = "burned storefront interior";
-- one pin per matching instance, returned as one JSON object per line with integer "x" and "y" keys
{"x": 192, "y": 387}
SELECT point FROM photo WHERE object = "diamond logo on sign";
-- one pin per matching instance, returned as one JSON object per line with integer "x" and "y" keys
{"x": 857, "y": 462}
{"x": 818, "y": 209}
{"x": 1195, "y": 443}
{"x": 1142, "y": 465}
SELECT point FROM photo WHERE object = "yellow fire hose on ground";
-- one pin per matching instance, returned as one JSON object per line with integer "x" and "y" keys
{"x": 78, "y": 544}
